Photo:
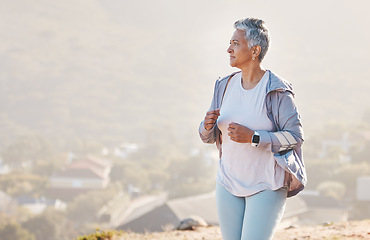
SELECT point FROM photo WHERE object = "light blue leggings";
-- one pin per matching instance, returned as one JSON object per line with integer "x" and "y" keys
{"x": 249, "y": 218}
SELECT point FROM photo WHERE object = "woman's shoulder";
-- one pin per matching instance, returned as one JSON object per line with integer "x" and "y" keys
{"x": 278, "y": 83}
{"x": 227, "y": 77}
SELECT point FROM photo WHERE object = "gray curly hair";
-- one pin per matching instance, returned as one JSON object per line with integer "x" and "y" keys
{"x": 255, "y": 34}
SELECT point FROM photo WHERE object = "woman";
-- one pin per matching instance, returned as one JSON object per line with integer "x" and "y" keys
{"x": 255, "y": 124}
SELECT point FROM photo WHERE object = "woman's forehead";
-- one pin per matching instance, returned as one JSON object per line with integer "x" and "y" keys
{"x": 238, "y": 35}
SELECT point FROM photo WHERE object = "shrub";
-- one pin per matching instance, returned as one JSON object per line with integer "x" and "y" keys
{"x": 101, "y": 235}
{"x": 332, "y": 189}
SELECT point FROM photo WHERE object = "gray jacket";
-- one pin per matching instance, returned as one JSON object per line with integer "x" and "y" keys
{"x": 286, "y": 139}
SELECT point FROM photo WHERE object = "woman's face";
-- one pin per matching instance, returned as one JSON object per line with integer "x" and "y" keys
{"x": 240, "y": 54}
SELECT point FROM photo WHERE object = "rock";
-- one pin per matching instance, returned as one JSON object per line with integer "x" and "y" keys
{"x": 191, "y": 223}
{"x": 290, "y": 227}
{"x": 326, "y": 224}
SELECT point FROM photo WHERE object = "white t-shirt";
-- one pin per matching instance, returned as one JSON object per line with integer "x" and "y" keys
{"x": 244, "y": 169}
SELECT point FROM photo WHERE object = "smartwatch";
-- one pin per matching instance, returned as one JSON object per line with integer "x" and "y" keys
{"x": 255, "y": 139}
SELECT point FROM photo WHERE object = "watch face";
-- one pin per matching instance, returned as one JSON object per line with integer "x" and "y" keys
{"x": 256, "y": 139}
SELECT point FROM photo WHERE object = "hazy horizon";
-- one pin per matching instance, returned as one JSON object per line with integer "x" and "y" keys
{"x": 160, "y": 59}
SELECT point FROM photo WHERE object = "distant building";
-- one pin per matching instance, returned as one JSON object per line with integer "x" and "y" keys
{"x": 343, "y": 144}
{"x": 38, "y": 205}
{"x": 125, "y": 149}
{"x": 361, "y": 207}
{"x": 4, "y": 168}
{"x": 322, "y": 209}
{"x": 80, "y": 176}
{"x": 113, "y": 211}
{"x": 158, "y": 214}
{"x": 8, "y": 205}
{"x": 363, "y": 188}
{"x": 148, "y": 213}
{"x": 295, "y": 208}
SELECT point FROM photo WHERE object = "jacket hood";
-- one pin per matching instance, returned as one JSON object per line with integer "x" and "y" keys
{"x": 278, "y": 83}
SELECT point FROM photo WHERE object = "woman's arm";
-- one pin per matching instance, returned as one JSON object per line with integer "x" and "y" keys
{"x": 208, "y": 125}
{"x": 288, "y": 119}
{"x": 207, "y": 128}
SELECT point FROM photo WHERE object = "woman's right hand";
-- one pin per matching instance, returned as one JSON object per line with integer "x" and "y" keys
{"x": 211, "y": 118}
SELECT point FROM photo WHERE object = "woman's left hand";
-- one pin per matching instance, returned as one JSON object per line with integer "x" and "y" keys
{"x": 239, "y": 133}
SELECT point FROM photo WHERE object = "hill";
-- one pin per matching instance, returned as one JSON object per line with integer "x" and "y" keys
{"x": 337, "y": 231}
{"x": 114, "y": 71}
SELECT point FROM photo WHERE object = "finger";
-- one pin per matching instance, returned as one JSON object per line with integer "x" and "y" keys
{"x": 213, "y": 113}
{"x": 233, "y": 124}
{"x": 231, "y": 129}
{"x": 209, "y": 122}
{"x": 216, "y": 112}
{"x": 233, "y": 139}
{"x": 211, "y": 117}
{"x": 231, "y": 135}
{"x": 208, "y": 126}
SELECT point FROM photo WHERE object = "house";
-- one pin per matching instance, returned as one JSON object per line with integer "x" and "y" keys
{"x": 161, "y": 214}
{"x": 295, "y": 208}
{"x": 203, "y": 205}
{"x": 363, "y": 189}
{"x": 156, "y": 213}
{"x": 343, "y": 144}
{"x": 4, "y": 168}
{"x": 361, "y": 208}
{"x": 125, "y": 149}
{"x": 322, "y": 209}
{"x": 38, "y": 205}
{"x": 114, "y": 210}
{"x": 80, "y": 176}
{"x": 8, "y": 205}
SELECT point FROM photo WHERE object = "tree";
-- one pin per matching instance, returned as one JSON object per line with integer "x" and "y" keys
{"x": 51, "y": 224}
{"x": 17, "y": 184}
{"x": 84, "y": 208}
{"x": 131, "y": 173}
{"x": 362, "y": 154}
{"x": 349, "y": 173}
{"x": 332, "y": 189}
{"x": 190, "y": 175}
{"x": 28, "y": 149}
{"x": 13, "y": 231}
{"x": 46, "y": 167}
{"x": 42, "y": 227}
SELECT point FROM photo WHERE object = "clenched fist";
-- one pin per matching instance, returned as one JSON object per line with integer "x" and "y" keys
{"x": 211, "y": 118}
{"x": 239, "y": 133}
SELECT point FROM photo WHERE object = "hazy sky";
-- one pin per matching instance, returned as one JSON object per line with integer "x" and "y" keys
{"x": 322, "y": 47}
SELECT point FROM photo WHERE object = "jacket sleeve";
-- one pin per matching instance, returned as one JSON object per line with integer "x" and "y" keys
{"x": 290, "y": 132}
{"x": 209, "y": 136}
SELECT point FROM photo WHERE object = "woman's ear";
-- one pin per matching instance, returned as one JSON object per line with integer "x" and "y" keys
{"x": 256, "y": 51}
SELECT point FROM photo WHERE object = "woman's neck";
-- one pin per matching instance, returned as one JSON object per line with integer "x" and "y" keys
{"x": 251, "y": 75}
